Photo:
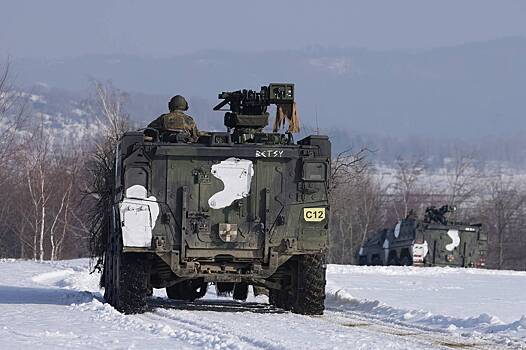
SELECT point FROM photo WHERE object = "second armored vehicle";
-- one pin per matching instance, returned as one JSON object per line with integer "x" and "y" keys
{"x": 236, "y": 208}
{"x": 434, "y": 241}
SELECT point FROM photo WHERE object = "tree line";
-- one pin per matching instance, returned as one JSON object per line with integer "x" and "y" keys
{"x": 365, "y": 200}
{"x": 47, "y": 187}
{"x": 51, "y": 187}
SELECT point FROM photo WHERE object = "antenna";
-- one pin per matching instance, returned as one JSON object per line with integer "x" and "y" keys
{"x": 316, "y": 116}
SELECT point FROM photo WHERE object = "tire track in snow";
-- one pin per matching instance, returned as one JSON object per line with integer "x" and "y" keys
{"x": 424, "y": 334}
{"x": 279, "y": 320}
{"x": 190, "y": 325}
{"x": 182, "y": 319}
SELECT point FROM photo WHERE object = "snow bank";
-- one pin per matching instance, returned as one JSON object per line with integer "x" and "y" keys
{"x": 416, "y": 271}
{"x": 483, "y": 323}
{"x": 447, "y": 300}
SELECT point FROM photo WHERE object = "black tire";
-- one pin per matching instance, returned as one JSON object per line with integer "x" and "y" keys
{"x": 126, "y": 277}
{"x": 224, "y": 289}
{"x": 309, "y": 292}
{"x": 393, "y": 260}
{"x": 362, "y": 260}
{"x": 127, "y": 283}
{"x": 175, "y": 292}
{"x": 240, "y": 291}
{"x": 406, "y": 261}
{"x": 189, "y": 290}
{"x": 279, "y": 298}
{"x": 376, "y": 261}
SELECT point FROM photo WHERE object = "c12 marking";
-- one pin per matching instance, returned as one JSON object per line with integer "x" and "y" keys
{"x": 270, "y": 153}
{"x": 314, "y": 214}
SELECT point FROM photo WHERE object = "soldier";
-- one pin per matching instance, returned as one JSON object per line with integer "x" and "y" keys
{"x": 176, "y": 125}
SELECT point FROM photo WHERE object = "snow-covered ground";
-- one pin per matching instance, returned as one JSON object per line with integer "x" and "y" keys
{"x": 58, "y": 305}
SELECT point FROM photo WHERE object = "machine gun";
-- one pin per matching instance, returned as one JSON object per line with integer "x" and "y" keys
{"x": 438, "y": 215}
{"x": 247, "y": 112}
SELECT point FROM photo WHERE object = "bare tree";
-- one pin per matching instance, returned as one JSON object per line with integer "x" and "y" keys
{"x": 66, "y": 197}
{"x": 462, "y": 178}
{"x": 503, "y": 209}
{"x": 108, "y": 108}
{"x": 355, "y": 198}
{"x": 346, "y": 165}
{"x": 37, "y": 169}
{"x": 406, "y": 186}
{"x": 12, "y": 114}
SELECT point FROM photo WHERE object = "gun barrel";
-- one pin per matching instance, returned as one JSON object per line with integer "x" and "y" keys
{"x": 221, "y": 104}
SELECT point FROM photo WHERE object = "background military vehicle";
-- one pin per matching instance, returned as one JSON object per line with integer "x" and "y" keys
{"x": 236, "y": 208}
{"x": 434, "y": 241}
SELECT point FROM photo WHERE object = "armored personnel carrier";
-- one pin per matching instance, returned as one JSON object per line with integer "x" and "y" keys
{"x": 236, "y": 208}
{"x": 433, "y": 241}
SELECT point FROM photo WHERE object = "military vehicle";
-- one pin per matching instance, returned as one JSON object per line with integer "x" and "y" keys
{"x": 236, "y": 208}
{"x": 433, "y": 241}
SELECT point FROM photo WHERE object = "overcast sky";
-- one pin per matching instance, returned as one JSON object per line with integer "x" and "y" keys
{"x": 57, "y": 28}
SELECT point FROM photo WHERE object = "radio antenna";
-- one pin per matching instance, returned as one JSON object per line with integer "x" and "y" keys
{"x": 316, "y": 116}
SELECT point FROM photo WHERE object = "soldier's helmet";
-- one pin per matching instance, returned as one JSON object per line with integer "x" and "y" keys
{"x": 177, "y": 103}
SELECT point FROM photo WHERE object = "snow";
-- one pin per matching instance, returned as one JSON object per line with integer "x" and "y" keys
{"x": 449, "y": 292}
{"x": 37, "y": 99}
{"x": 59, "y": 305}
{"x": 79, "y": 112}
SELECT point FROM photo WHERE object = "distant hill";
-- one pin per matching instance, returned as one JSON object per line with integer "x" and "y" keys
{"x": 462, "y": 91}
{"x": 67, "y": 112}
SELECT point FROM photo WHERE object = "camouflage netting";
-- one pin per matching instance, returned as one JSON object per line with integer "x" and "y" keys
{"x": 100, "y": 187}
{"x": 108, "y": 109}
{"x": 287, "y": 112}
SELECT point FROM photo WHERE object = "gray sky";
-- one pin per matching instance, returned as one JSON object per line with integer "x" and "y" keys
{"x": 56, "y": 28}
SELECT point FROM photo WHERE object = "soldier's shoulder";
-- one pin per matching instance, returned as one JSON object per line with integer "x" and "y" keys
{"x": 186, "y": 117}
{"x": 176, "y": 114}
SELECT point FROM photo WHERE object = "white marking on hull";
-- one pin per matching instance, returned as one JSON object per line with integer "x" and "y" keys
{"x": 236, "y": 175}
{"x": 397, "y": 229}
{"x": 455, "y": 240}
{"x": 138, "y": 217}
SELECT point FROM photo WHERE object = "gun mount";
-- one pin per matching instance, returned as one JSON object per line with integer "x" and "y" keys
{"x": 438, "y": 215}
{"x": 247, "y": 109}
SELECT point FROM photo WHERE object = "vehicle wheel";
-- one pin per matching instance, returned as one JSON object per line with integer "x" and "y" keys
{"x": 376, "y": 261}
{"x": 240, "y": 291}
{"x": 224, "y": 289}
{"x": 279, "y": 298}
{"x": 308, "y": 292}
{"x": 406, "y": 261}
{"x": 362, "y": 260}
{"x": 187, "y": 290}
{"x": 126, "y": 278}
{"x": 175, "y": 292}
{"x": 393, "y": 260}
{"x": 199, "y": 288}
{"x": 127, "y": 282}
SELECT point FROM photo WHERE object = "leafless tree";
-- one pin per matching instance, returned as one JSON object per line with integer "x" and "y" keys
{"x": 346, "y": 165}
{"x": 37, "y": 170}
{"x": 503, "y": 208}
{"x": 66, "y": 198}
{"x": 355, "y": 200}
{"x": 463, "y": 179}
{"x": 108, "y": 108}
{"x": 406, "y": 186}
{"x": 12, "y": 113}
